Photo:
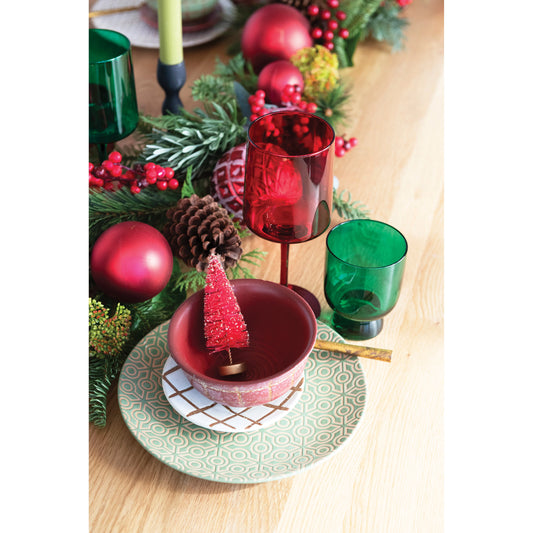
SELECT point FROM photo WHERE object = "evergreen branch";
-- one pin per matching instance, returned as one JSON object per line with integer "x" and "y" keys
{"x": 386, "y": 25}
{"x": 242, "y": 231}
{"x": 107, "y": 208}
{"x": 102, "y": 373}
{"x": 254, "y": 257}
{"x": 145, "y": 317}
{"x": 332, "y": 104}
{"x": 239, "y": 70}
{"x": 196, "y": 141}
{"x": 169, "y": 121}
{"x": 187, "y": 188}
{"x": 191, "y": 281}
{"x": 347, "y": 208}
{"x": 358, "y": 14}
{"x": 208, "y": 89}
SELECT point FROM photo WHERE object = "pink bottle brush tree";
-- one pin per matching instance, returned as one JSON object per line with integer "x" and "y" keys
{"x": 224, "y": 325}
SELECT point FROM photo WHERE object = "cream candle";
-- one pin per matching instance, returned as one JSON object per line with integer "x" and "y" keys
{"x": 170, "y": 31}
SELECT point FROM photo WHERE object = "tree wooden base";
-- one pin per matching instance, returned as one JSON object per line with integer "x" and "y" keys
{"x": 230, "y": 370}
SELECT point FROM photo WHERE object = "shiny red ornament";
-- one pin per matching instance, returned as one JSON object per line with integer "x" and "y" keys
{"x": 131, "y": 261}
{"x": 275, "y": 77}
{"x": 274, "y": 31}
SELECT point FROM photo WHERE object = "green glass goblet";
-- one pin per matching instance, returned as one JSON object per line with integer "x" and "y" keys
{"x": 113, "y": 112}
{"x": 365, "y": 261}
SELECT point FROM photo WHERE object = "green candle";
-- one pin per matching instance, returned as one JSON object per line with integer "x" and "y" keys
{"x": 170, "y": 33}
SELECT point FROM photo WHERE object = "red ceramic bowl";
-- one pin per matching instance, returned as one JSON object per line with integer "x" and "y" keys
{"x": 282, "y": 330}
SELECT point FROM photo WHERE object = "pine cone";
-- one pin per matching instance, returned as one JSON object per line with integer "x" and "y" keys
{"x": 196, "y": 227}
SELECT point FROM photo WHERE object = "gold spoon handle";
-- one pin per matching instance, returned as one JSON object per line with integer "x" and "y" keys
{"x": 93, "y": 14}
{"x": 350, "y": 349}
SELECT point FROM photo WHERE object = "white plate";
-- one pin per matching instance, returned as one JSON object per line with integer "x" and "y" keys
{"x": 131, "y": 24}
{"x": 195, "y": 407}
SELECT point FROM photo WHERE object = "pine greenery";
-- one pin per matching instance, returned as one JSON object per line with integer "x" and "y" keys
{"x": 387, "y": 25}
{"x": 145, "y": 316}
{"x": 208, "y": 89}
{"x": 219, "y": 87}
{"x": 332, "y": 104}
{"x": 192, "y": 280}
{"x": 237, "y": 69}
{"x": 358, "y": 14}
{"x": 191, "y": 143}
{"x": 348, "y": 208}
{"x": 107, "y": 208}
{"x": 102, "y": 373}
{"x": 196, "y": 140}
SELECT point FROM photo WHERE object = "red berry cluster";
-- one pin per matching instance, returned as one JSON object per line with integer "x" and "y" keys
{"x": 292, "y": 95}
{"x": 257, "y": 104}
{"x": 300, "y": 129}
{"x": 342, "y": 145}
{"x": 325, "y": 23}
{"x": 111, "y": 174}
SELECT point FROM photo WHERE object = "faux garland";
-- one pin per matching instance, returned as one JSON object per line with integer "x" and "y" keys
{"x": 115, "y": 328}
{"x": 382, "y": 20}
{"x": 186, "y": 147}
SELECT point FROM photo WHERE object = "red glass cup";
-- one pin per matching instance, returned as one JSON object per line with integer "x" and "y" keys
{"x": 288, "y": 183}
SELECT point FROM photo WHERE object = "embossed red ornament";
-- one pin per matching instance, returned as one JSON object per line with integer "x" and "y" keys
{"x": 273, "y": 185}
{"x": 228, "y": 180}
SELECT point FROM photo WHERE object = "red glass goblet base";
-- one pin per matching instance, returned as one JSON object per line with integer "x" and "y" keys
{"x": 309, "y": 297}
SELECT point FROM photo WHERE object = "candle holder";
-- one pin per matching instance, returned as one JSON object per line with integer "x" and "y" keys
{"x": 171, "y": 78}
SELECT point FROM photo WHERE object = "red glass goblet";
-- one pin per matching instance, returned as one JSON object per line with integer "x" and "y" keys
{"x": 288, "y": 182}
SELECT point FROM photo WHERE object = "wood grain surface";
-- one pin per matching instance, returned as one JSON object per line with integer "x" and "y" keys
{"x": 389, "y": 477}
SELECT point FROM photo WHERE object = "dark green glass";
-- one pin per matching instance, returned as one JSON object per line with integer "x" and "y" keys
{"x": 365, "y": 261}
{"x": 113, "y": 112}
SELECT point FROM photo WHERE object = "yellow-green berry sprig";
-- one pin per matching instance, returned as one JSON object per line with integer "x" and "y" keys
{"x": 107, "y": 335}
{"x": 320, "y": 70}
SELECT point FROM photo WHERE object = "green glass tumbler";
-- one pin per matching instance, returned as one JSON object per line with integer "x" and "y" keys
{"x": 365, "y": 261}
{"x": 113, "y": 112}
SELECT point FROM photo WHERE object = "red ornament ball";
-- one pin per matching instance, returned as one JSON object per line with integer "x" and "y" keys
{"x": 227, "y": 180}
{"x": 276, "y": 76}
{"x": 131, "y": 261}
{"x": 274, "y": 31}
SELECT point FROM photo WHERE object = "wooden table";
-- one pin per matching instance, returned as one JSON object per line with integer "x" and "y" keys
{"x": 389, "y": 476}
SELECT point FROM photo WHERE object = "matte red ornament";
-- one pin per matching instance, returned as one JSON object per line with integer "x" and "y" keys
{"x": 228, "y": 180}
{"x": 274, "y": 31}
{"x": 276, "y": 76}
{"x": 224, "y": 325}
{"x": 131, "y": 261}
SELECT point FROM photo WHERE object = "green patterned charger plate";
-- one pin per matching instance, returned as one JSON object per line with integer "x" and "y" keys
{"x": 329, "y": 409}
